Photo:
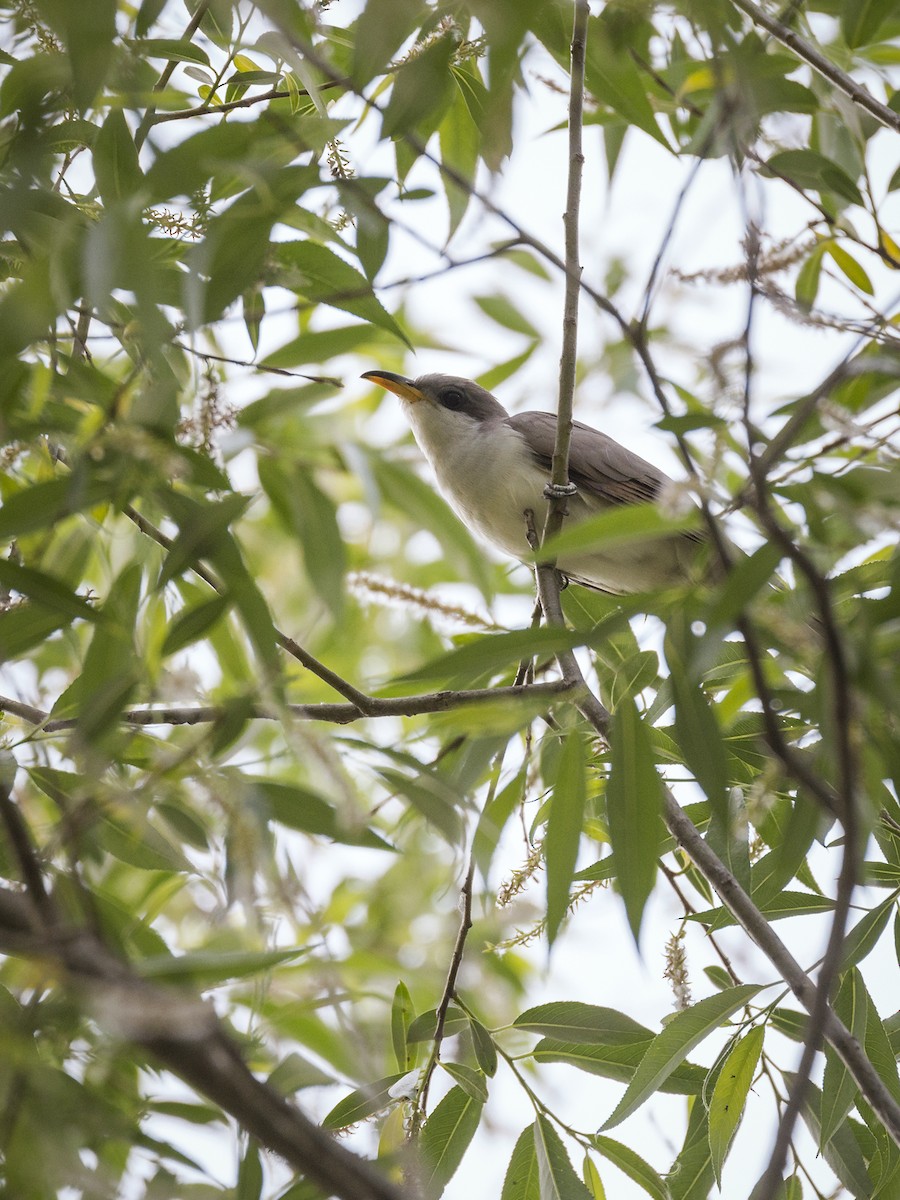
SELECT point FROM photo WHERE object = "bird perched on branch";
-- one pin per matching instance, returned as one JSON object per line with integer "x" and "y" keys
{"x": 492, "y": 467}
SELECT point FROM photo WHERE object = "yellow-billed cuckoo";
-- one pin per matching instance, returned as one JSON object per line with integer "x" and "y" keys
{"x": 492, "y": 467}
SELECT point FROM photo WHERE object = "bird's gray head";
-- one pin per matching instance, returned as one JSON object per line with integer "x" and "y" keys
{"x": 445, "y": 391}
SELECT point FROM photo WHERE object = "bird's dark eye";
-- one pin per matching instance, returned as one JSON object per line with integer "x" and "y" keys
{"x": 452, "y": 398}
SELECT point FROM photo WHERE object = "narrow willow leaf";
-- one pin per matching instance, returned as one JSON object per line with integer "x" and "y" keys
{"x": 839, "y": 1088}
{"x": 445, "y": 1139}
{"x": 522, "y": 1180}
{"x": 209, "y": 967}
{"x": 564, "y": 829}
{"x": 699, "y": 736}
{"x": 472, "y": 1082}
{"x": 424, "y": 1026}
{"x": 878, "y": 1048}
{"x": 557, "y": 1175}
{"x": 483, "y": 1045}
{"x": 673, "y": 1044}
{"x": 842, "y": 1151}
{"x": 402, "y": 1015}
{"x": 618, "y": 1062}
{"x": 592, "y": 1180}
{"x": 574, "y": 1021}
{"x": 361, "y": 1103}
{"x": 632, "y": 1165}
{"x": 250, "y": 1174}
{"x": 864, "y": 935}
{"x": 634, "y": 807}
{"x": 691, "y": 1176}
{"x": 730, "y": 1095}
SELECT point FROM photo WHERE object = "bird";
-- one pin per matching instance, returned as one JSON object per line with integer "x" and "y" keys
{"x": 491, "y": 467}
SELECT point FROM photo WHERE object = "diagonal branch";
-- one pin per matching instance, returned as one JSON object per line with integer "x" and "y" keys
{"x": 816, "y": 59}
{"x": 188, "y": 1038}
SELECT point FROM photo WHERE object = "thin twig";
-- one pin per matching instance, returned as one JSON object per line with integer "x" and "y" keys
{"x": 465, "y": 924}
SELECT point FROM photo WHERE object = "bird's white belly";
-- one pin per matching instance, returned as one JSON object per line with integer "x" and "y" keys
{"x": 490, "y": 482}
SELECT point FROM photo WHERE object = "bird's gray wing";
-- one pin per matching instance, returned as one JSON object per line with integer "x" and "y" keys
{"x": 597, "y": 464}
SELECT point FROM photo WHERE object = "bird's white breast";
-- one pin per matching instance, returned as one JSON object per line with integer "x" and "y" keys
{"x": 488, "y": 477}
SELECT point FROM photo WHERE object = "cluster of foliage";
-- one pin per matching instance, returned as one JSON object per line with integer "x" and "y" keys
{"x": 224, "y": 771}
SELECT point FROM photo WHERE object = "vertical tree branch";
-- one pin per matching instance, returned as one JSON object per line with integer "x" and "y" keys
{"x": 559, "y": 487}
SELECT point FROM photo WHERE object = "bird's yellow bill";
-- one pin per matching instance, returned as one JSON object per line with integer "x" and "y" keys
{"x": 398, "y": 384}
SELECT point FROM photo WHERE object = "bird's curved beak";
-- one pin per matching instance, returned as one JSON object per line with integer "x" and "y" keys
{"x": 398, "y": 384}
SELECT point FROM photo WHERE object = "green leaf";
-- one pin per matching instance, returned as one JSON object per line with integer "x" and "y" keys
{"x": 207, "y": 968}
{"x": 633, "y": 1166}
{"x": 522, "y": 1179}
{"x": 673, "y": 1044}
{"x": 111, "y": 667}
{"x": 445, "y": 1139}
{"x": 402, "y": 1014}
{"x": 592, "y": 1180}
{"x": 483, "y": 1046}
{"x": 878, "y": 1048}
{"x": 250, "y": 1174}
{"x": 427, "y": 793}
{"x": 116, "y": 163}
{"x": 612, "y": 76}
{"x": 134, "y": 841}
{"x": 26, "y": 626}
{"x": 625, "y": 525}
{"x": 88, "y": 32}
{"x": 564, "y": 828}
{"x": 504, "y": 312}
{"x": 861, "y": 20}
{"x": 558, "y": 1180}
{"x": 472, "y": 1082}
{"x": 839, "y": 1088}
{"x": 841, "y": 1152}
{"x": 809, "y": 169}
{"x": 300, "y": 808}
{"x": 851, "y": 268}
{"x": 697, "y": 729}
{"x": 192, "y": 623}
{"x": 424, "y": 1026}
{"x": 574, "y": 1021}
{"x": 777, "y": 908}
{"x": 634, "y": 809}
{"x": 311, "y": 516}
{"x": 807, "y": 286}
{"x": 460, "y": 143}
{"x": 381, "y": 29}
{"x": 619, "y": 1062}
{"x": 691, "y": 1176}
{"x": 730, "y": 1095}
{"x": 172, "y": 50}
{"x": 42, "y": 505}
{"x": 49, "y": 592}
{"x": 747, "y": 577}
{"x": 422, "y": 90}
{"x": 863, "y": 937}
{"x": 319, "y": 274}
{"x": 489, "y": 654}
{"x": 317, "y": 346}
{"x": 362, "y": 1103}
